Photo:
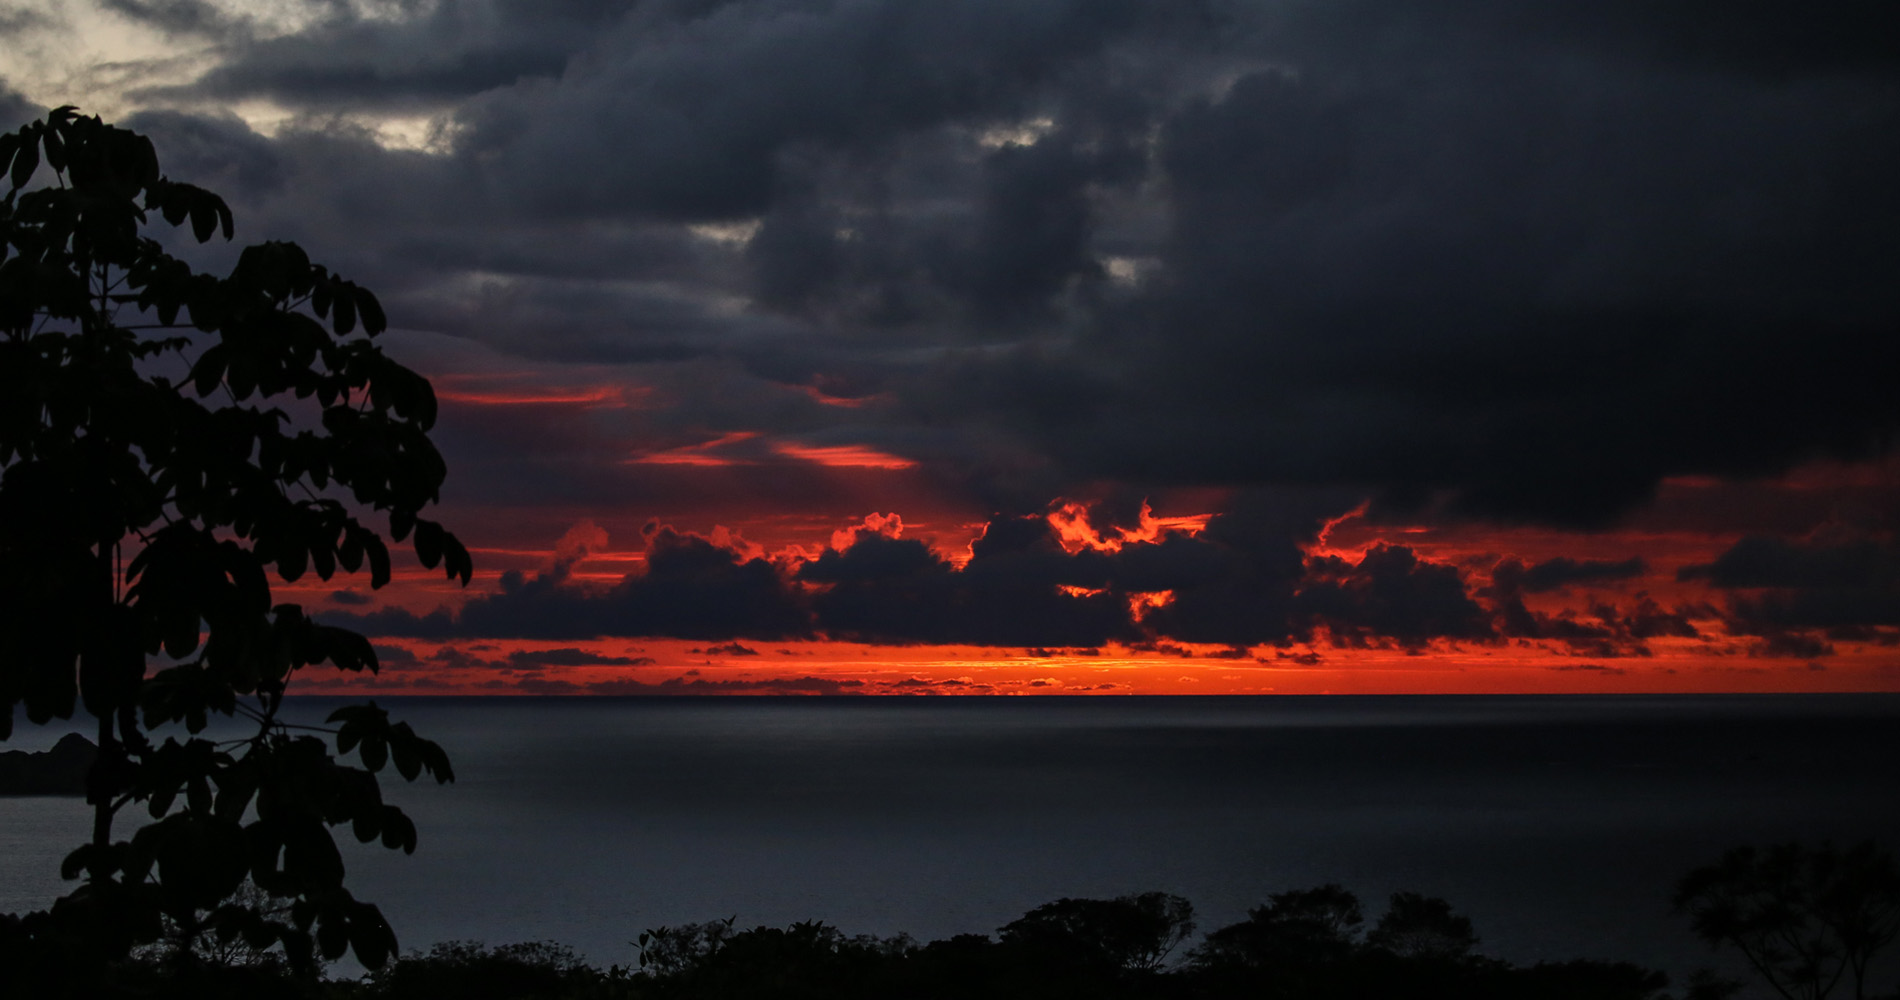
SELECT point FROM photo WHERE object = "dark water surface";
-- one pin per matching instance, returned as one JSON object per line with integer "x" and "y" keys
{"x": 1559, "y": 824}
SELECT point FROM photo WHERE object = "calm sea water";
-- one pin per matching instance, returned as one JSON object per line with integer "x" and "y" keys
{"x": 1558, "y": 824}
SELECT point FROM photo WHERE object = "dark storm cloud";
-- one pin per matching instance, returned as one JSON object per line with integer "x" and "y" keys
{"x": 1605, "y": 629}
{"x": 1774, "y": 562}
{"x": 1521, "y": 263}
{"x": 1847, "y": 589}
{"x": 1486, "y": 260}
{"x": 897, "y": 590}
{"x": 346, "y": 59}
{"x": 180, "y": 17}
{"x": 572, "y": 657}
{"x": 1592, "y": 668}
{"x": 692, "y": 589}
{"x": 1020, "y": 588}
{"x": 1530, "y": 284}
{"x": 1767, "y": 38}
{"x": 387, "y": 654}
{"x": 726, "y": 649}
{"x": 689, "y": 685}
{"x": 15, "y": 109}
{"x": 1235, "y": 583}
{"x": 1014, "y": 236}
{"x": 690, "y": 121}
{"x": 1391, "y": 594}
{"x": 1562, "y": 572}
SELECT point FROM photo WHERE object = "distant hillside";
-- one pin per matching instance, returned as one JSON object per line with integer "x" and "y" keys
{"x": 59, "y": 771}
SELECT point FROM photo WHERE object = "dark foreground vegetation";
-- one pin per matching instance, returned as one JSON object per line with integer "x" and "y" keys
{"x": 1313, "y": 943}
{"x": 1808, "y": 923}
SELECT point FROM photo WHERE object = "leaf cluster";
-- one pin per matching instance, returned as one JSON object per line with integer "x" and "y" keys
{"x": 169, "y": 440}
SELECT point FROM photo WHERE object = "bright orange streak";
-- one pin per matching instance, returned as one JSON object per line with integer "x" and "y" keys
{"x": 889, "y": 525}
{"x": 844, "y": 402}
{"x": 845, "y": 455}
{"x": 603, "y": 396}
{"x": 1142, "y": 602}
{"x": 1322, "y": 542}
{"x": 1072, "y": 527}
{"x": 510, "y": 390}
{"x": 832, "y": 456}
{"x": 1073, "y": 591}
{"x": 697, "y": 454}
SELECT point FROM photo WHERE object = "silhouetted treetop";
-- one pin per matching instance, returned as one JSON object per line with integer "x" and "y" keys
{"x": 168, "y": 438}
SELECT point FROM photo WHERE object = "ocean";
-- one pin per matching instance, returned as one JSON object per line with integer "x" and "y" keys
{"x": 1558, "y": 824}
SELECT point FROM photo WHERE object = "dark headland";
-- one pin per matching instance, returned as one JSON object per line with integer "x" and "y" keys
{"x": 59, "y": 771}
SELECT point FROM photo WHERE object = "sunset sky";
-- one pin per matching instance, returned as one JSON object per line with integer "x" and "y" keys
{"x": 1061, "y": 346}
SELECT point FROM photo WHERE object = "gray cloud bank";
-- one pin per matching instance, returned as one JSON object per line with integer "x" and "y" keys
{"x": 1517, "y": 262}
{"x": 1241, "y": 582}
{"x": 1521, "y": 263}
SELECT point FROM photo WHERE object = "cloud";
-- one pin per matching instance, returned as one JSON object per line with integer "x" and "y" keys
{"x": 1772, "y": 562}
{"x": 349, "y": 60}
{"x": 705, "y": 110}
{"x": 1520, "y": 266}
{"x": 1795, "y": 595}
{"x": 1020, "y": 588}
{"x": 1605, "y": 631}
{"x": 1562, "y": 572}
{"x": 726, "y": 649}
{"x": 1589, "y": 668}
{"x": 387, "y": 654}
{"x": 181, "y": 17}
{"x": 15, "y": 109}
{"x": 1010, "y": 593}
{"x": 572, "y": 657}
{"x": 1392, "y": 594}
{"x": 1496, "y": 263}
{"x": 1780, "y": 645}
{"x": 688, "y": 685}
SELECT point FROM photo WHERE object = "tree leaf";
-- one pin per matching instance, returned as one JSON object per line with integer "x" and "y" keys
{"x": 370, "y": 310}
{"x": 375, "y": 751}
{"x": 25, "y": 161}
{"x": 428, "y": 542}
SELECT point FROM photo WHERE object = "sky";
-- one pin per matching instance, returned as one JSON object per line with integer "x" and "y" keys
{"x": 1062, "y": 346}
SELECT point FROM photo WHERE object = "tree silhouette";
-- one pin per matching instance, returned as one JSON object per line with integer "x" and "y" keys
{"x": 1135, "y": 933}
{"x": 1806, "y": 920}
{"x": 1300, "y": 926}
{"x": 1419, "y": 926}
{"x": 167, "y": 438}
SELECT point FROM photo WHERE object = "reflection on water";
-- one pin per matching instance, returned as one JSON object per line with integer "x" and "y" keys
{"x": 1558, "y": 824}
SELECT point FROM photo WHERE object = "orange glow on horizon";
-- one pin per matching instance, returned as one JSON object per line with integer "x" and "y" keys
{"x": 748, "y": 666}
{"x": 1648, "y": 629}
